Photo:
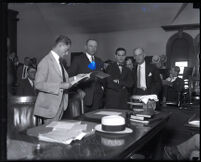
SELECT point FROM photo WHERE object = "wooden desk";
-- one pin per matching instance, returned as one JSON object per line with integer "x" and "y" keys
{"x": 101, "y": 146}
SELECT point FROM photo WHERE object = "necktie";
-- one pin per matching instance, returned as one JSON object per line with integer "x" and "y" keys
{"x": 138, "y": 77}
{"x": 120, "y": 68}
{"x": 62, "y": 69}
{"x": 92, "y": 59}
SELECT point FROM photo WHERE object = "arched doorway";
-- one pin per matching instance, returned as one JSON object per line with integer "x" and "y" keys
{"x": 180, "y": 47}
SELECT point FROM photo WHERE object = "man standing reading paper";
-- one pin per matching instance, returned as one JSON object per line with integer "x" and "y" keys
{"x": 51, "y": 81}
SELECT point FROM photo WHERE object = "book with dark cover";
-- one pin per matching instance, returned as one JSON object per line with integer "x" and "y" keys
{"x": 146, "y": 114}
{"x": 147, "y": 121}
{"x": 91, "y": 75}
{"x": 145, "y": 118}
{"x": 99, "y": 74}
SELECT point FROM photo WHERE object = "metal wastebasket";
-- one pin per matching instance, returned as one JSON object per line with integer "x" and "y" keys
{"x": 20, "y": 112}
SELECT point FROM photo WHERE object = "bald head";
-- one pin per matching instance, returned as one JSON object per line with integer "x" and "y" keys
{"x": 139, "y": 55}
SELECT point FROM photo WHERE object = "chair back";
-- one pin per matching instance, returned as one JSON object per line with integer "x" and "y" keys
{"x": 20, "y": 112}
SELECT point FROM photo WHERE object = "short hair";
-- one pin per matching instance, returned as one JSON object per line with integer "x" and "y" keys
{"x": 120, "y": 49}
{"x": 137, "y": 49}
{"x": 90, "y": 40}
{"x": 177, "y": 69}
{"x": 63, "y": 39}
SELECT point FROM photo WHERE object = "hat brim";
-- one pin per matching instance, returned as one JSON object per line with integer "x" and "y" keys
{"x": 99, "y": 129}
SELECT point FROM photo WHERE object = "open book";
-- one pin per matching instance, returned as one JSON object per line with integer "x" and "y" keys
{"x": 85, "y": 76}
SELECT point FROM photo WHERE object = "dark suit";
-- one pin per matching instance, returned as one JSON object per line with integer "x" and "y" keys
{"x": 25, "y": 89}
{"x": 92, "y": 87}
{"x": 153, "y": 81}
{"x": 173, "y": 93}
{"x": 117, "y": 94}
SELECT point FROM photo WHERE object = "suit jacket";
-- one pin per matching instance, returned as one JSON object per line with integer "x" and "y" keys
{"x": 25, "y": 89}
{"x": 173, "y": 92}
{"x": 117, "y": 94}
{"x": 47, "y": 81}
{"x": 153, "y": 80}
{"x": 80, "y": 65}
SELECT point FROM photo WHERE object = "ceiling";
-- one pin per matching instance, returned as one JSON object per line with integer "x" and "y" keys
{"x": 102, "y": 17}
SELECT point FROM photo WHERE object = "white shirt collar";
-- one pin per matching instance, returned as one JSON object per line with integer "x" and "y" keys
{"x": 89, "y": 57}
{"x": 142, "y": 65}
{"x": 56, "y": 56}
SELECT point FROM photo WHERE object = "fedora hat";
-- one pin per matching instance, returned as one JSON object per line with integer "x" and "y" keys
{"x": 113, "y": 124}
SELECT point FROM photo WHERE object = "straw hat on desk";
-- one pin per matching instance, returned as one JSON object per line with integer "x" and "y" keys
{"x": 113, "y": 124}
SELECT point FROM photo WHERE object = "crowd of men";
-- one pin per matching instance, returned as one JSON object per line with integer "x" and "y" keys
{"x": 50, "y": 81}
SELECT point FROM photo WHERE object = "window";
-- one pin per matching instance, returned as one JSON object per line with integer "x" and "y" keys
{"x": 181, "y": 65}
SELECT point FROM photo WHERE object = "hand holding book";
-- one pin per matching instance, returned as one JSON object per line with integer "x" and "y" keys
{"x": 80, "y": 77}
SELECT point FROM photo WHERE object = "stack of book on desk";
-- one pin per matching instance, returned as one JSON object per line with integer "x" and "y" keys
{"x": 64, "y": 132}
{"x": 144, "y": 117}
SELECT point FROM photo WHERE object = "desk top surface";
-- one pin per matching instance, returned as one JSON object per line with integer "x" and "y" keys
{"x": 98, "y": 145}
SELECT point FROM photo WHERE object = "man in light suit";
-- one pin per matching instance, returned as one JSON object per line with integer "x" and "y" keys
{"x": 52, "y": 81}
{"x": 146, "y": 76}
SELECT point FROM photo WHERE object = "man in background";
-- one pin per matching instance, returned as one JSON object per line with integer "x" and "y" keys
{"x": 118, "y": 83}
{"x": 146, "y": 76}
{"x": 26, "y": 86}
{"x": 172, "y": 86}
{"x": 91, "y": 90}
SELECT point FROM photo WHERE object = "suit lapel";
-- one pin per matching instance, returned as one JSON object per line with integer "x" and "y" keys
{"x": 147, "y": 68}
{"x": 55, "y": 64}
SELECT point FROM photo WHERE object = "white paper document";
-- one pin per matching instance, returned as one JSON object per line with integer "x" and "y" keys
{"x": 108, "y": 113}
{"x": 64, "y": 132}
{"x": 63, "y": 124}
{"x": 80, "y": 78}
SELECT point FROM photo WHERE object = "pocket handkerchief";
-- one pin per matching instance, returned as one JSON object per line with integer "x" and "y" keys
{"x": 150, "y": 74}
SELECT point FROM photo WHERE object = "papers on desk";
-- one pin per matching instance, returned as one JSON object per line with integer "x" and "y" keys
{"x": 145, "y": 98}
{"x": 64, "y": 132}
{"x": 108, "y": 113}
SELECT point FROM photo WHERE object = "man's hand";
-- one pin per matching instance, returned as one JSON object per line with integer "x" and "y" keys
{"x": 80, "y": 75}
{"x": 81, "y": 93}
{"x": 65, "y": 85}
